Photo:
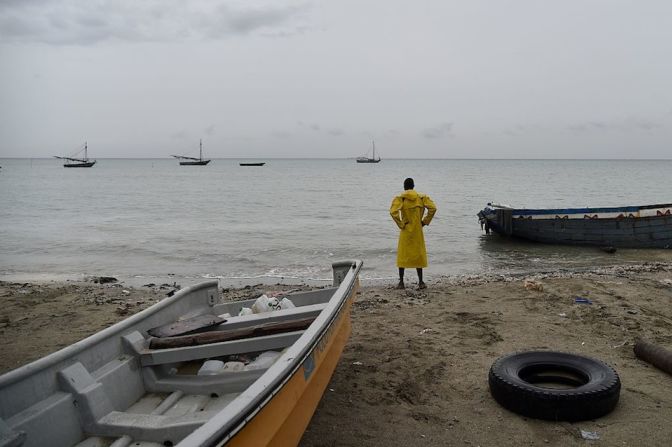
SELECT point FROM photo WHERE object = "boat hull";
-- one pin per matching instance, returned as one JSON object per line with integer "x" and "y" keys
{"x": 627, "y": 227}
{"x": 79, "y": 165}
{"x": 194, "y": 163}
{"x": 252, "y": 164}
{"x": 368, "y": 161}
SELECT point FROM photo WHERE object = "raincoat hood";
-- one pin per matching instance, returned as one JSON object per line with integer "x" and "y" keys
{"x": 411, "y": 198}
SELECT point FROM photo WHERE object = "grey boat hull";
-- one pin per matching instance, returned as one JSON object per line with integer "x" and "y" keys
{"x": 631, "y": 227}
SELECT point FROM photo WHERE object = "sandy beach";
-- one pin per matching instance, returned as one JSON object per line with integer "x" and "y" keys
{"x": 415, "y": 368}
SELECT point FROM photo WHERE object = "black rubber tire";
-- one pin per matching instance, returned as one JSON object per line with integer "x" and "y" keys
{"x": 595, "y": 392}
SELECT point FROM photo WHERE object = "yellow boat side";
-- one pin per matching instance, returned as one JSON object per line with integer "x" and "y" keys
{"x": 283, "y": 420}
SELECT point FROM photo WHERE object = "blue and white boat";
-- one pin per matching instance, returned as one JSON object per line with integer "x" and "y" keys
{"x": 648, "y": 226}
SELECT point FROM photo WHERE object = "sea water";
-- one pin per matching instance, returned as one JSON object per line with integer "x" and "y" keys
{"x": 148, "y": 220}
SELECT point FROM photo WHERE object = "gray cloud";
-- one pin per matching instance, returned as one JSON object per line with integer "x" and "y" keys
{"x": 84, "y": 22}
{"x": 622, "y": 125}
{"x": 309, "y": 126}
{"x": 180, "y": 135}
{"x": 282, "y": 134}
{"x": 440, "y": 131}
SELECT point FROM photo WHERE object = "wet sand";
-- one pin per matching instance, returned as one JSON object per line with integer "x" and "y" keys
{"x": 415, "y": 368}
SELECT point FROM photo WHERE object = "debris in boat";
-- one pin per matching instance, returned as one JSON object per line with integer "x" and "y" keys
{"x": 186, "y": 326}
{"x": 230, "y": 334}
{"x": 531, "y": 284}
{"x": 233, "y": 367}
{"x": 581, "y": 300}
{"x": 263, "y": 361}
{"x": 590, "y": 435}
{"x": 210, "y": 367}
{"x": 265, "y": 304}
{"x": 245, "y": 311}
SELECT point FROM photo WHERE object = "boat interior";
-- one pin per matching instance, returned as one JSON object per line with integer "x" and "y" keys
{"x": 128, "y": 393}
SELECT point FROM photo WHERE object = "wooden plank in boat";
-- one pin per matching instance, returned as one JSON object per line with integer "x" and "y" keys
{"x": 231, "y": 334}
{"x": 186, "y": 326}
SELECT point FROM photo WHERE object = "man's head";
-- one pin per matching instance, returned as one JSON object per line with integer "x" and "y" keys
{"x": 408, "y": 184}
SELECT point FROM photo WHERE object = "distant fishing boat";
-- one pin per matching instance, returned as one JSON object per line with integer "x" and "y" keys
{"x": 193, "y": 161}
{"x": 76, "y": 162}
{"x": 253, "y": 164}
{"x": 367, "y": 159}
{"x": 648, "y": 226}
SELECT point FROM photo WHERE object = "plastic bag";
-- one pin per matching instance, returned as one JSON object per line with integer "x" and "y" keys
{"x": 245, "y": 311}
{"x": 265, "y": 304}
{"x": 286, "y": 303}
{"x": 263, "y": 361}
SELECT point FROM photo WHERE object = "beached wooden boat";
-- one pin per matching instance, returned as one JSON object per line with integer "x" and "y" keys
{"x": 124, "y": 387}
{"x": 631, "y": 226}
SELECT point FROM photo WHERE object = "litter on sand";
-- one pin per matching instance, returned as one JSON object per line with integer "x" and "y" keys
{"x": 581, "y": 300}
{"x": 590, "y": 435}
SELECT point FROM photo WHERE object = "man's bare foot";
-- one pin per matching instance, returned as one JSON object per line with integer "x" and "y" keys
{"x": 422, "y": 285}
{"x": 400, "y": 285}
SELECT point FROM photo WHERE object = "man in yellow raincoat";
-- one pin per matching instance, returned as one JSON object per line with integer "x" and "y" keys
{"x": 407, "y": 211}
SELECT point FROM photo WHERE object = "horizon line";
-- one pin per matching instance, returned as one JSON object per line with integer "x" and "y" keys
{"x": 353, "y": 158}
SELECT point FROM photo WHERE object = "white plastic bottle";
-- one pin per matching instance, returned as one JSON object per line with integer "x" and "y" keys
{"x": 286, "y": 303}
{"x": 265, "y": 304}
{"x": 211, "y": 367}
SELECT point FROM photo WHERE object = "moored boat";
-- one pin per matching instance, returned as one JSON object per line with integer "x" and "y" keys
{"x": 135, "y": 383}
{"x": 257, "y": 163}
{"x": 367, "y": 159}
{"x": 77, "y": 162}
{"x": 648, "y": 226}
{"x": 193, "y": 161}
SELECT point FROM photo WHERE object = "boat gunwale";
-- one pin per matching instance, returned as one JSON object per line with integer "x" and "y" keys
{"x": 25, "y": 371}
{"x": 266, "y": 387}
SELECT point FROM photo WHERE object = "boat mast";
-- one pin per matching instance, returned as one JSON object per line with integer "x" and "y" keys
{"x": 200, "y": 144}
{"x": 374, "y": 148}
{"x": 86, "y": 153}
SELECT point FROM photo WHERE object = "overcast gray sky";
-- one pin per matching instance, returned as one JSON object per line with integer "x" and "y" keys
{"x": 313, "y": 78}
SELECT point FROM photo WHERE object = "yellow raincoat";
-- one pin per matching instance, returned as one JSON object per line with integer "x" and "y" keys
{"x": 407, "y": 211}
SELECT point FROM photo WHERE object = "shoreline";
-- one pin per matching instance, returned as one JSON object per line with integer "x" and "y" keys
{"x": 431, "y": 277}
{"x": 415, "y": 367}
